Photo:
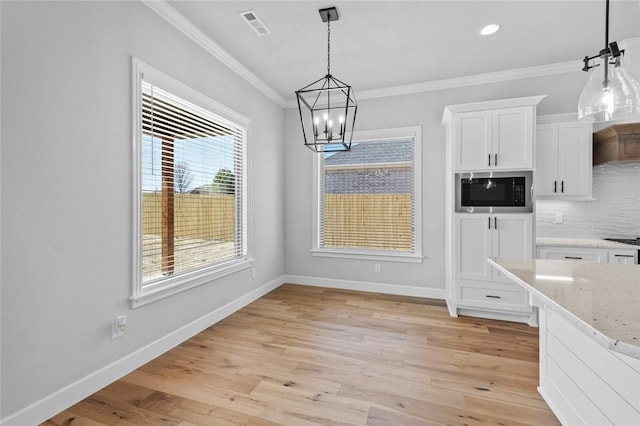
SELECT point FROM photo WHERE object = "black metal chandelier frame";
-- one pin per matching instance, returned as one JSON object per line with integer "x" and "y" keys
{"x": 327, "y": 98}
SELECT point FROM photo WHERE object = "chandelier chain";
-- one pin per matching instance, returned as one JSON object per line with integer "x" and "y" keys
{"x": 329, "y": 46}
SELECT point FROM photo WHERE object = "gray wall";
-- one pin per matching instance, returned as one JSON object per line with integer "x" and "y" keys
{"x": 424, "y": 109}
{"x": 67, "y": 188}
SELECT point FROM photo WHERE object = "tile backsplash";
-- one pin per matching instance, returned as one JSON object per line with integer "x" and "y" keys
{"x": 614, "y": 212}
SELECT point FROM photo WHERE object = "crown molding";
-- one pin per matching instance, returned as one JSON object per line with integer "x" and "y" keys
{"x": 471, "y": 80}
{"x": 175, "y": 18}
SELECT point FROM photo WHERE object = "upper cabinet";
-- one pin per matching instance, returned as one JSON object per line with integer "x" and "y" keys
{"x": 563, "y": 160}
{"x": 496, "y": 135}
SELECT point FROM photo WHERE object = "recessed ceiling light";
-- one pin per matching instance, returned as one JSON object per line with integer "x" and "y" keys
{"x": 489, "y": 29}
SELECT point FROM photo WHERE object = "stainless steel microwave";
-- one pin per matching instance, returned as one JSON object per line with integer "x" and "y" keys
{"x": 494, "y": 192}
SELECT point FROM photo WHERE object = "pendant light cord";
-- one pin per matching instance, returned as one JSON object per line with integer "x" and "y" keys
{"x": 606, "y": 28}
{"x": 605, "y": 82}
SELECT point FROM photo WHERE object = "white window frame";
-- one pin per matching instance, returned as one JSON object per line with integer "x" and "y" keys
{"x": 383, "y": 255}
{"x": 157, "y": 290}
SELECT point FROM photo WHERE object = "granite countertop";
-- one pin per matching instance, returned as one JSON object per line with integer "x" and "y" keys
{"x": 601, "y": 299}
{"x": 583, "y": 242}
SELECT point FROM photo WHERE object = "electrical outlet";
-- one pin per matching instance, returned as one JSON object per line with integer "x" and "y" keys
{"x": 377, "y": 267}
{"x": 118, "y": 326}
{"x": 559, "y": 218}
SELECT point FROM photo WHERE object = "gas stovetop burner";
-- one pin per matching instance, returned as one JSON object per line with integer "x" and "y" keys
{"x": 634, "y": 241}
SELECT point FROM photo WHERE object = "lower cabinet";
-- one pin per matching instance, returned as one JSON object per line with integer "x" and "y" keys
{"x": 625, "y": 257}
{"x": 492, "y": 295}
{"x": 583, "y": 382}
{"x": 479, "y": 290}
{"x": 588, "y": 254}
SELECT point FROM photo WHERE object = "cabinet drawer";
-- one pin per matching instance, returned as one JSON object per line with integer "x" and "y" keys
{"x": 627, "y": 257}
{"x": 494, "y": 296}
{"x": 574, "y": 253}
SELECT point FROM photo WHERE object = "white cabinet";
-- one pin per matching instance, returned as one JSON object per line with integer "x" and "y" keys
{"x": 487, "y": 136}
{"x": 625, "y": 257}
{"x": 494, "y": 135}
{"x": 583, "y": 382}
{"x": 479, "y": 289}
{"x": 587, "y": 254}
{"x": 500, "y": 139}
{"x": 479, "y": 236}
{"x": 563, "y": 160}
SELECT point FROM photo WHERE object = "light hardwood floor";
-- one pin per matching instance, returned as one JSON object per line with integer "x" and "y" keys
{"x": 316, "y": 356}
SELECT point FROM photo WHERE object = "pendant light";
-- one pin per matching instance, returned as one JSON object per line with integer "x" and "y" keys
{"x": 327, "y": 106}
{"x": 611, "y": 92}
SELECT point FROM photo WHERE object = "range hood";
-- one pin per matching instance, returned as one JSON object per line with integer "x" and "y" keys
{"x": 618, "y": 143}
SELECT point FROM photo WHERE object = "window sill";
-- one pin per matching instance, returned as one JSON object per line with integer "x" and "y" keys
{"x": 368, "y": 255}
{"x": 185, "y": 282}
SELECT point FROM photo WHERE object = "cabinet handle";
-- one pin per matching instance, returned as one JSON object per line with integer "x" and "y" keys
{"x": 555, "y": 186}
{"x": 495, "y": 222}
{"x": 562, "y": 187}
{"x": 489, "y": 222}
{"x": 489, "y": 160}
{"x": 495, "y": 160}
{"x": 573, "y": 257}
{"x": 491, "y": 296}
{"x": 623, "y": 255}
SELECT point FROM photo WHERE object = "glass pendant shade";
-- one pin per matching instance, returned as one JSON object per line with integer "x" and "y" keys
{"x": 595, "y": 99}
{"x": 629, "y": 88}
{"x": 615, "y": 99}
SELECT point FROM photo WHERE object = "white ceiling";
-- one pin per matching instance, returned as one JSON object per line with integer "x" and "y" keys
{"x": 381, "y": 44}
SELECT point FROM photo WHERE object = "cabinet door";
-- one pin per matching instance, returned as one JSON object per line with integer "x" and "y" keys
{"x": 473, "y": 246}
{"x": 512, "y": 238}
{"x": 513, "y": 134}
{"x": 472, "y": 140}
{"x": 546, "y": 159}
{"x": 575, "y": 164}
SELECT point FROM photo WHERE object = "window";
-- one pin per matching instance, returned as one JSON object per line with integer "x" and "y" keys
{"x": 190, "y": 187}
{"x": 368, "y": 199}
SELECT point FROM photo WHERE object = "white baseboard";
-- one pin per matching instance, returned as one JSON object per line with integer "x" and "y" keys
{"x": 526, "y": 318}
{"x": 58, "y": 401}
{"x": 402, "y": 290}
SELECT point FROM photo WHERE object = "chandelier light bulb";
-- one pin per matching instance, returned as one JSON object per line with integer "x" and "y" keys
{"x": 608, "y": 101}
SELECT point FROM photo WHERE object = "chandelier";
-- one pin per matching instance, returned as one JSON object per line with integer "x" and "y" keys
{"x": 327, "y": 106}
{"x": 611, "y": 92}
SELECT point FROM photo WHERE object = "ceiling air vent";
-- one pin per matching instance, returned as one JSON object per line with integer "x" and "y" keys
{"x": 255, "y": 23}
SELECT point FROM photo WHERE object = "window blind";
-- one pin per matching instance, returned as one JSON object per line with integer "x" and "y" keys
{"x": 367, "y": 200}
{"x": 193, "y": 179}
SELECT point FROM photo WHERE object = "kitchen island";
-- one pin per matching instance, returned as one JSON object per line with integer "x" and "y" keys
{"x": 589, "y": 316}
